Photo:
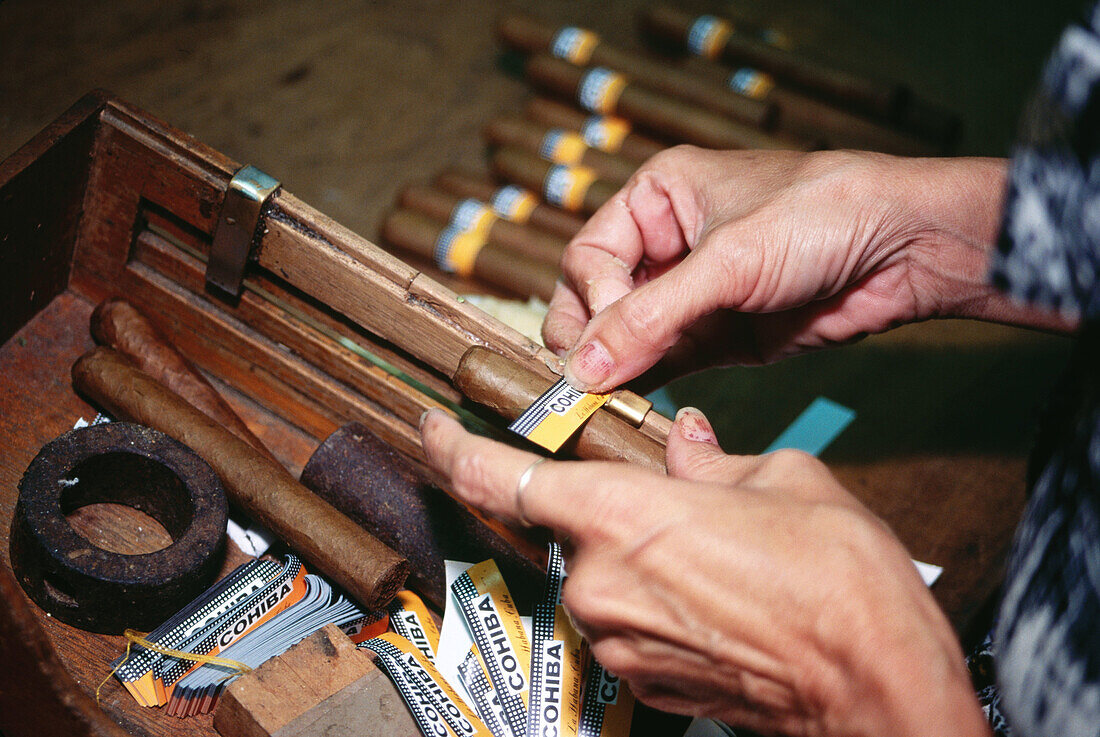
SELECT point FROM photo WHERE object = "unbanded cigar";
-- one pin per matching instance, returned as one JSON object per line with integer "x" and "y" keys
{"x": 508, "y": 388}
{"x": 574, "y": 188}
{"x": 536, "y": 214}
{"x": 808, "y": 117}
{"x": 558, "y": 146}
{"x": 369, "y": 570}
{"x": 886, "y": 100}
{"x": 379, "y": 488}
{"x": 492, "y": 263}
{"x": 627, "y": 143}
{"x": 439, "y": 205}
{"x": 604, "y": 91}
{"x": 532, "y": 36}
{"x": 118, "y": 324}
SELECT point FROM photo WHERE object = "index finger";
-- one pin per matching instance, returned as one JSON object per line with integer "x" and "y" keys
{"x": 560, "y": 495}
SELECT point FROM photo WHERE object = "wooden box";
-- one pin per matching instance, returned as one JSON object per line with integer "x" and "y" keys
{"x": 109, "y": 201}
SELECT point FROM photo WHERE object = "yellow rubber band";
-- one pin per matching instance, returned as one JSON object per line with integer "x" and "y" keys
{"x": 133, "y": 637}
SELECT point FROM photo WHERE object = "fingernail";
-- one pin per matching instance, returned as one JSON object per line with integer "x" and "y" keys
{"x": 589, "y": 366}
{"x": 694, "y": 426}
{"x": 423, "y": 416}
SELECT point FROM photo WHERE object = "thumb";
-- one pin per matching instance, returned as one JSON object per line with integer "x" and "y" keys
{"x": 634, "y": 332}
{"x": 693, "y": 452}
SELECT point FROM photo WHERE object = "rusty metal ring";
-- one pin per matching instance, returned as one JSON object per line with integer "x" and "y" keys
{"x": 100, "y": 590}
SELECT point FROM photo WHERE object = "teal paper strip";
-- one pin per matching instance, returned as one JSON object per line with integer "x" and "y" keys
{"x": 814, "y": 429}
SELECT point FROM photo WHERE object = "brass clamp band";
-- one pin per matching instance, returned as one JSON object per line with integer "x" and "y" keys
{"x": 238, "y": 225}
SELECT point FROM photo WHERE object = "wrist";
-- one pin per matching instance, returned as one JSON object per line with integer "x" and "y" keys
{"x": 954, "y": 209}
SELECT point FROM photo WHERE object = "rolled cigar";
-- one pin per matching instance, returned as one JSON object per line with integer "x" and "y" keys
{"x": 882, "y": 99}
{"x": 593, "y": 128}
{"x": 369, "y": 570}
{"x": 805, "y": 116}
{"x": 373, "y": 484}
{"x": 421, "y": 235}
{"x": 536, "y": 214}
{"x": 439, "y": 205}
{"x": 117, "y": 323}
{"x": 532, "y": 36}
{"x": 888, "y": 101}
{"x": 574, "y": 188}
{"x": 558, "y": 146}
{"x": 509, "y": 388}
{"x": 608, "y": 92}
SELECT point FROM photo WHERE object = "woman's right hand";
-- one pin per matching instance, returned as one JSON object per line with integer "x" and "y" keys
{"x": 716, "y": 257}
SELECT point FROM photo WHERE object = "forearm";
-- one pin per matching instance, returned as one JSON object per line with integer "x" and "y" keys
{"x": 955, "y": 210}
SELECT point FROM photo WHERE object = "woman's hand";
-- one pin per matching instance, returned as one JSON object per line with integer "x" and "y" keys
{"x": 755, "y": 590}
{"x": 784, "y": 251}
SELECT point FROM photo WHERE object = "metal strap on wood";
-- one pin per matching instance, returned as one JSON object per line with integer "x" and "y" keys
{"x": 237, "y": 227}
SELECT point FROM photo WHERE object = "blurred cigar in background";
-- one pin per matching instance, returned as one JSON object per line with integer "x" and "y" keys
{"x": 808, "y": 117}
{"x": 573, "y": 188}
{"x": 585, "y": 48}
{"x": 510, "y": 201}
{"x": 558, "y": 146}
{"x": 446, "y": 207}
{"x": 716, "y": 38}
{"x": 469, "y": 254}
{"x": 605, "y": 132}
{"x": 604, "y": 91}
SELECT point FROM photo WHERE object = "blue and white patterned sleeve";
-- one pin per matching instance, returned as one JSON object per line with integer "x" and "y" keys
{"x": 1047, "y": 638}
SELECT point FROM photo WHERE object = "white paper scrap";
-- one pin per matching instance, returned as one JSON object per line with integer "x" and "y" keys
{"x": 928, "y": 572}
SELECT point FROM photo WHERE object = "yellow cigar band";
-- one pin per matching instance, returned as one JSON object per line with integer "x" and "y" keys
{"x": 605, "y": 132}
{"x": 408, "y": 648}
{"x": 600, "y": 89}
{"x": 471, "y": 214}
{"x": 464, "y": 250}
{"x": 575, "y": 45}
{"x": 751, "y": 83}
{"x": 456, "y": 250}
{"x": 566, "y": 186}
{"x": 514, "y": 203}
{"x": 556, "y": 415}
{"x": 708, "y": 35}
{"x": 563, "y": 147}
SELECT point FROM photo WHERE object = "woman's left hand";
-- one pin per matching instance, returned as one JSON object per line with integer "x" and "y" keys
{"x": 754, "y": 590}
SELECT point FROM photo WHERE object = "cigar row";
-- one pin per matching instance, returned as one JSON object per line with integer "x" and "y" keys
{"x": 600, "y": 111}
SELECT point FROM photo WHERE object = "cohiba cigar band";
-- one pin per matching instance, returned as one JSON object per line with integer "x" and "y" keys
{"x": 707, "y": 36}
{"x": 514, "y": 203}
{"x": 575, "y": 45}
{"x": 605, "y": 132}
{"x": 556, "y": 415}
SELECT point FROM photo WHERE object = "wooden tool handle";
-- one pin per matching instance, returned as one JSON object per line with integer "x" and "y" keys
{"x": 509, "y": 388}
{"x": 369, "y": 570}
{"x": 118, "y": 324}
